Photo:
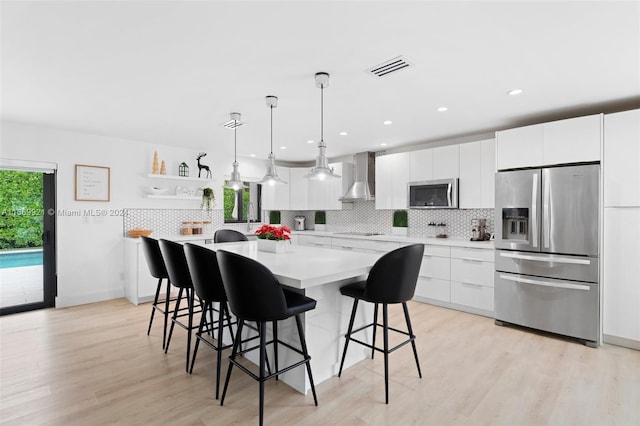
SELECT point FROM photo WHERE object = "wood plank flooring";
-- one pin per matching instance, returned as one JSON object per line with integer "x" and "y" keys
{"x": 94, "y": 365}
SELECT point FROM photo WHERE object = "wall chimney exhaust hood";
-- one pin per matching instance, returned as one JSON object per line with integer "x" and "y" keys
{"x": 364, "y": 185}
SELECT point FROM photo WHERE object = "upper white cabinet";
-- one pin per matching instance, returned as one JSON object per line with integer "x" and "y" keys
{"x": 276, "y": 196}
{"x": 621, "y": 162}
{"x": 477, "y": 170}
{"x": 572, "y": 140}
{"x": 575, "y": 140}
{"x": 434, "y": 163}
{"x": 392, "y": 176}
{"x": 298, "y": 189}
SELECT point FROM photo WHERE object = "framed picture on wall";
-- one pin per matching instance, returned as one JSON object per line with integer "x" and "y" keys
{"x": 92, "y": 183}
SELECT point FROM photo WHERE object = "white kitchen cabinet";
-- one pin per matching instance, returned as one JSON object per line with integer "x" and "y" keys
{"x": 435, "y": 273}
{"x": 520, "y": 147}
{"x": 621, "y": 162}
{"x": 573, "y": 140}
{"x": 298, "y": 188}
{"x": 472, "y": 276}
{"x": 313, "y": 240}
{"x": 325, "y": 194}
{"x": 621, "y": 276}
{"x": 368, "y": 246}
{"x": 140, "y": 286}
{"x": 392, "y": 177}
{"x": 434, "y": 163}
{"x": 421, "y": 165}
{"x": 445, "y": 162}
{"x": 276, "y": 196}
{"x": 477, "y": 170}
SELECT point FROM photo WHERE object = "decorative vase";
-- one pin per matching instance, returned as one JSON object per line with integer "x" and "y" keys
{"x": 398, "y": 230}
{"x": 320, "y": 227}
{"x": 272, "y": 246}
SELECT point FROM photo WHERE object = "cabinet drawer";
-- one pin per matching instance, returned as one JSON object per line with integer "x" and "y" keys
{"x": 433, "y": 250}
{"x": 472, "y": 295}
{"x": 309, "y": 240}
{"x": 472, "y": 272}
{"x": 436, "y": 267}
{"x": 433, "y": 288}
{"x": 484, "y": 255}
{"x": 379, "y": 246}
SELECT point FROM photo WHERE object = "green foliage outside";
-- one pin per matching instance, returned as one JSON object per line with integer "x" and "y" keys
{"x": 21, "y": 211}
{"x": 400, "y": 219}
{"x": 229, "y": 199}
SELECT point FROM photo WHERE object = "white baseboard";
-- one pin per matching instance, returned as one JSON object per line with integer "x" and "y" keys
{"x": 83, "y": 299}
{"x": 621, "y": 341}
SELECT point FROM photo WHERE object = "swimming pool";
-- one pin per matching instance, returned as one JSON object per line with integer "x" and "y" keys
{"x": 16, "y": 259}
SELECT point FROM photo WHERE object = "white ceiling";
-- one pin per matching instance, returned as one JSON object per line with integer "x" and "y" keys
{"x": 171, "y": 72}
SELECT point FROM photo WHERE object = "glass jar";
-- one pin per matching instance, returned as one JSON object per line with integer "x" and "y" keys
{"x": 197, "y": 228}
{"x": 187, "y": 228}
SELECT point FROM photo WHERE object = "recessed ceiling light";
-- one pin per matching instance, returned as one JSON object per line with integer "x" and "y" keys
{"x": 387, "y": 122}
{"x": 309, "y": 141}
{"x": 283, "y": 147}
{"x": 252, "y": 155}
{"x": 443, "y": 109}
{"x": 514, "y": 92}
{"x": 343, "y": 133}
{"x": 383, "y": 144}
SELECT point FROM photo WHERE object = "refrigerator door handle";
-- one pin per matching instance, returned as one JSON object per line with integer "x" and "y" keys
{"x": 544, "y": 283}
{"x": 546, "y": 212}
{"x": 534, "y": 211}
{"x": 569, "y": 260}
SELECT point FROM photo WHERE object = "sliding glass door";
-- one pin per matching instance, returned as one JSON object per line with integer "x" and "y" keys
{"x": 27, "y": 240}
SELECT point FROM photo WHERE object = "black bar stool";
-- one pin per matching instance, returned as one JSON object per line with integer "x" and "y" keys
{"x": 255, "y": 295}
{"x": 178, "y": 270}
{"x": 207, "y": 283}
{"x": 392, "y": 280}
{"x": 228, "y": 236}
{"x": 157, "y": 268}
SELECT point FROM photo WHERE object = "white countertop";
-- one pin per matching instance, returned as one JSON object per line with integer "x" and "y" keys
{"x": 403, "y": 239}
{"x": 303, "y": 266}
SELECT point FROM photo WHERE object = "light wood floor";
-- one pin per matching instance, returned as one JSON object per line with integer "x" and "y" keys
{"x": 94, "y": 365}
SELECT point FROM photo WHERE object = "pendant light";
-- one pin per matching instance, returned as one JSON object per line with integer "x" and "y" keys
{"x": 322, "y": 169}
{"x": 235, "y": 182}
{"x": 271, "y": 177}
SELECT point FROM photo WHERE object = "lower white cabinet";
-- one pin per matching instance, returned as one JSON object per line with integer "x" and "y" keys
{"x": 472, "y": 275}
{"x": 435, "y": 273}
{"x": 313, "y": 240}
{"x": 472, "y": 295}
{"x": 140, "y": 286}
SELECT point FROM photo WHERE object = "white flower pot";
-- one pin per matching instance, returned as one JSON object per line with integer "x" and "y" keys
{"x": 397, "y": 230}
{"x": 319, "y": 227}
{"x": 272, "y": 246}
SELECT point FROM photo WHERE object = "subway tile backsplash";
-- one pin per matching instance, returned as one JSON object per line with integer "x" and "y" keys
{"x": 362, "y": 218}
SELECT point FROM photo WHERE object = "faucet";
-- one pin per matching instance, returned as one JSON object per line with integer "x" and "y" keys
{"x": 249, "y": 217}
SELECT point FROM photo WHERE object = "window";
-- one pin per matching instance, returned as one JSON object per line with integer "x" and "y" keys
{"x": 238, "y": 204}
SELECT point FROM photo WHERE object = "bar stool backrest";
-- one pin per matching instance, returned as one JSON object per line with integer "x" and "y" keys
{"x": 176, "y": 262}
{"x": 393, "y": 277}
{"x": 205, "y": 274}
{"x": 228, "y": 236}
{"x": 254, "y": 293}
{"x": 152, "y": 253}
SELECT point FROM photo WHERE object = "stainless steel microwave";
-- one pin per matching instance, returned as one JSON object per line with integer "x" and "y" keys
{"x": 433, "y": 194}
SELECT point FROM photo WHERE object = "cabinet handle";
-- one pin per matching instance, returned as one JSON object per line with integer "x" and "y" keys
{"x": 472, "y": 260}
{"x": 472, "y": 285}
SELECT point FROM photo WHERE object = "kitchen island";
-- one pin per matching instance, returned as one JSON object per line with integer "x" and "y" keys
{"x": 317, "y": 273}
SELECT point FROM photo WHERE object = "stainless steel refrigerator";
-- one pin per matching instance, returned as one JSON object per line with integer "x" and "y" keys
{"x": 546, "y": 241}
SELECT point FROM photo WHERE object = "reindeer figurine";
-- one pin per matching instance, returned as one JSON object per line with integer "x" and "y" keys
{"x": 202, "y": 166}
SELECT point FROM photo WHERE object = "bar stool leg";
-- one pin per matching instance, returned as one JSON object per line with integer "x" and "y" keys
{"x": 153, "y": 307}
{"x": 275, "y": 346}
{"x": 173, "y": 319}
{"x": 190, "y": 301}
{"x": 203, "y": 320}
{"x": 375, "y": 327}
{"x": 220, "y": 344}
{"x": 303, "y": 344}
{"x": 166, "y": 313}
{"x": 232, "y": 357}
{"x": 348, "y": 335}
{"x": 263, "y": 350}
{"x": 385, "y": 325}
{"x": 413, "y": 338}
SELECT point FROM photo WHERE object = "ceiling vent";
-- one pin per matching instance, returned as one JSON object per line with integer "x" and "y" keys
{"x": 232, "y": 124}
{"x": 392, "y": 65}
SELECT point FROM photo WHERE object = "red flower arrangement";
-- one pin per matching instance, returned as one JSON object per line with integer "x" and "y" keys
{"x": 270, "y": 232}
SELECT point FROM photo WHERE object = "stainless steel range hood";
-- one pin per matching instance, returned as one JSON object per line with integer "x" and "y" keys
{"x": 364, "y": 185}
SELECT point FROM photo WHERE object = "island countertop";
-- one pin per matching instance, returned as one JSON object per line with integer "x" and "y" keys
{"x": 303, "y": 267}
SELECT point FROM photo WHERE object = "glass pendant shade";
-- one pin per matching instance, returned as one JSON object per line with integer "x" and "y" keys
{"x": 321, "y": 170}
{"x": 235, "y": 182}
{"x": 271, "y": 177}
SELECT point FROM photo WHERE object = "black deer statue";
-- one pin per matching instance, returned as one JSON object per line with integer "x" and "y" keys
{"x": 202, "y": 166}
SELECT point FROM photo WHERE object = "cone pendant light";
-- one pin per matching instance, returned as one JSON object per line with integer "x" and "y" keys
{"x": 235, "y": 182}
{"x": 271, "y": 177}
{"x": 321, "y": 170}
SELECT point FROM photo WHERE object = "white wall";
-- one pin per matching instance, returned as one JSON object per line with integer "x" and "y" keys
{"x": 90, "y": 248}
